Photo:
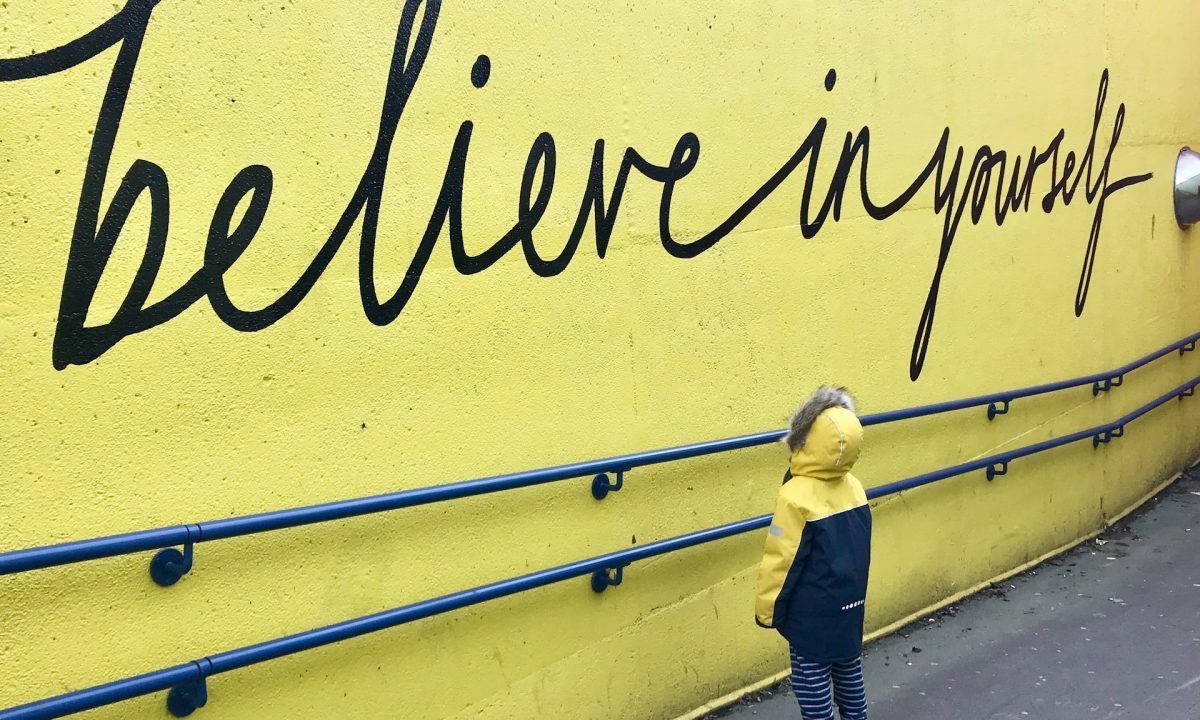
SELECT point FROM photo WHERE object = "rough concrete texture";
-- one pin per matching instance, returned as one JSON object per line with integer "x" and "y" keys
{"x": 1108, "y": 630}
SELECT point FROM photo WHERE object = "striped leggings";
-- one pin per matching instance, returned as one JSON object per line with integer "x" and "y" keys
{"x": 811, "y": 682}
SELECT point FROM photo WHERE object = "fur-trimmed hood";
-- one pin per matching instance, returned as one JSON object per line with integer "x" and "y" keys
{"x": 825, "y": 435}
{"x": 822, "y": 399}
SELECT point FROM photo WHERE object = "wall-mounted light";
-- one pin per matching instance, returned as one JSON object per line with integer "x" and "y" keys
{"x": 1187, "y": 187}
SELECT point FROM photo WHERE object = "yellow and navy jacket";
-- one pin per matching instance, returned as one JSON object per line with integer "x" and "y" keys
{"x": 812, "y": 583}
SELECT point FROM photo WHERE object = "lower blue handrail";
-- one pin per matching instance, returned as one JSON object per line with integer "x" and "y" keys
{"x": 190, "y": 677}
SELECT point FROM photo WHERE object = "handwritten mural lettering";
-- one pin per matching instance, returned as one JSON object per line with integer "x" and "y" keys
{"x": 988, "y": 183}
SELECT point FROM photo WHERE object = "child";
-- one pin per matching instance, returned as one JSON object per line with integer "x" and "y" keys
{"x": 813, "y": 580}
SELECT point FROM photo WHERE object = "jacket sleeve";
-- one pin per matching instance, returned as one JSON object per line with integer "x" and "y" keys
{"x": 782, "y": 554}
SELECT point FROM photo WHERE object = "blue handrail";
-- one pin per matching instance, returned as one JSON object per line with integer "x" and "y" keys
{"x": 187, "y": 682}
{"x": 169, "y": 565}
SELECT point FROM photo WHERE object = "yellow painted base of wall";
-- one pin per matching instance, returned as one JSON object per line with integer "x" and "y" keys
{"x": 731, "y": 698}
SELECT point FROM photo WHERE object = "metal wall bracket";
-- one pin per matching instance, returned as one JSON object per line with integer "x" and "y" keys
{"x": 1107, "y": 384}
{"x": 183, "y": 700}
{"x": 995, "y": 471}
{"x": 1188, "y": 348}
{"x": 1188, "y": 393}
{"x": 607, "y": 577}
{"x": 169, "y": 565}
{"x": 602, "y": 486}
{"x": 1107, "y": 436}
{"x": 994, "y": 410}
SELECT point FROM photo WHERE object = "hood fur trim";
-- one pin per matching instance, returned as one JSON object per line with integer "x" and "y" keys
{"x": 824, "y": 398}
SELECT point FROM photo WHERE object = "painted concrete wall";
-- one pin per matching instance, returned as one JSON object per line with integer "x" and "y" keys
{"x": 237, "y": 343}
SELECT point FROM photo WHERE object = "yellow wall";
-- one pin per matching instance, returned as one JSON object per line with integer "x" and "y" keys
{"x": 504, "y": 370}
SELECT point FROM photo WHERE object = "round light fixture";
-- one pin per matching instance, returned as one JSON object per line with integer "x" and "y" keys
{"x": 1187, "y": 187}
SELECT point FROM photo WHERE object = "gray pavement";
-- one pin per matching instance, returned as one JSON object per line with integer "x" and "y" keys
{"x": 1109, "y": 630}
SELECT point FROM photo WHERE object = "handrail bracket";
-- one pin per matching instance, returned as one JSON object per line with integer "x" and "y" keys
{"x": 607, "y": 577}
{"x": 602, "y": 486}
{"x": 1108, "y": 436}
{"x": 185, "y": 699}
{"x": 994, "y": 409}
{"x": 1107, "y": 384}
{"x": 169, "y": 565}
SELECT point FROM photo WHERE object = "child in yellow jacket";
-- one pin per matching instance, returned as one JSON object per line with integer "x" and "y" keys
{"x": 812, "y": 583}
